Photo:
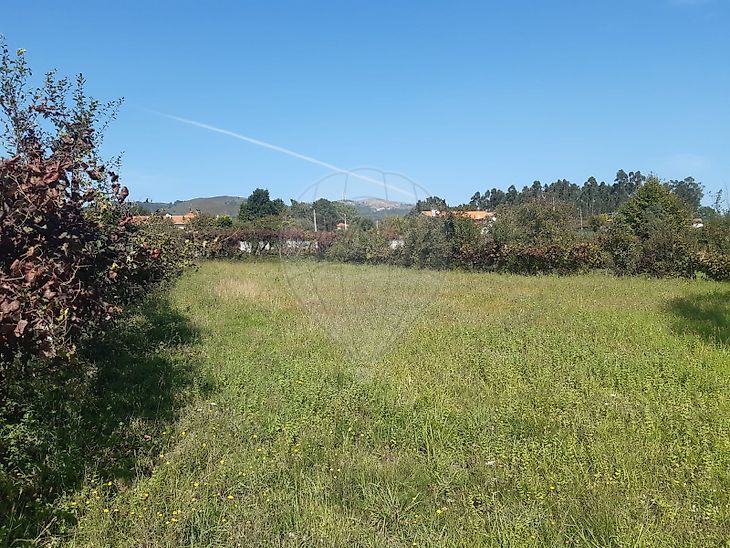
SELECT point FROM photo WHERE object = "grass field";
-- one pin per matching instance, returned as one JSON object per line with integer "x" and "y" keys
{"x": 331, "y": 405}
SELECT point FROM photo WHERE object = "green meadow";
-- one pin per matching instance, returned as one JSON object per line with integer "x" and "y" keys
{"x": 320, "y": 404}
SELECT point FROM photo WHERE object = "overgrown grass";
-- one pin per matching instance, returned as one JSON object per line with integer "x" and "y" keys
{"x": 369, "y": 406}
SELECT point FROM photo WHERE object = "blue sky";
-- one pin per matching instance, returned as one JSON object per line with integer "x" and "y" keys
{"x": 458, "y": 96}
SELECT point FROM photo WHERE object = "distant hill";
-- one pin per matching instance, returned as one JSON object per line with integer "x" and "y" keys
{"x": 377, "y": 208}
{"x": 372, "y": 208}
{"x": 215, "y": 205}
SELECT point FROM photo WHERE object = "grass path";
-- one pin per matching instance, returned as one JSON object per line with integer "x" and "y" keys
{"x": 367, "y": 406}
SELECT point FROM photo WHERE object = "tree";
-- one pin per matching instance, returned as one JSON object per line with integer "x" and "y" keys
{"x": 535, "y": 192}
{"x": 496, "y": 198}
{"x": 347, "y": 213}
{"x": 462, "y": 231}
{"x": 430, "y": 203}
{"x": 426, "y": 244}
{"x": 299, "y": 215}
{"x": 207, "y": 220}
{"x": 651, "y": 233}
{"x": 654, "y": 205}
{"x": 327, "y": 214}
{"x": 364, "y": 223}
{"x": 536, "y": 222}
{"x": 588, "y": 195}
{"x": 137, "y": 209}
{"x": 259, "y": 205}
{"x": 689, "y": 191}
{"x": 721, "y": 203}
{"x": 394, "y": 227}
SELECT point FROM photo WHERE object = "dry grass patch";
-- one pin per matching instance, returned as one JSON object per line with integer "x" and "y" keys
{"x": 237, "y": 288}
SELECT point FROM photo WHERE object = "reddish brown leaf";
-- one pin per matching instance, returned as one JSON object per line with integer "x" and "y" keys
{"x": 20, "y": 328}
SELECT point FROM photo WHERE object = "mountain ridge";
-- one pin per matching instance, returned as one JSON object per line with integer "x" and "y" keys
{"x": 373, "y": 208}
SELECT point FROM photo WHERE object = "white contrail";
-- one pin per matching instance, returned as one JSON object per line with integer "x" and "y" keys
{"x": 288, "y": 152}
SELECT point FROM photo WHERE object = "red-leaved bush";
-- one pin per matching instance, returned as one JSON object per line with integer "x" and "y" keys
{"x": 69, "y": 258}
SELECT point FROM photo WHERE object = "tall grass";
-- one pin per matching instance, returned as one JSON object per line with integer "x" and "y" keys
{"x": 373, "y": 406}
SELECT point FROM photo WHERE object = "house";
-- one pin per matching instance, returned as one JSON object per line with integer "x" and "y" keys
{"x": 478, "y": 216}
{"x": 179, "y": 221}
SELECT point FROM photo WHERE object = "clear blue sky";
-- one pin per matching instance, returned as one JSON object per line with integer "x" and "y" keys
{"x": 459, "y": 96}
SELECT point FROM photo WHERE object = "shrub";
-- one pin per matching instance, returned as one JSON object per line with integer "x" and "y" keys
{"x": 425, "y": 244}
{"x": 715, "y": 235}
{"x": 623, "y": 247}
{"x": 651, "y": 234}
{"x": 524, "y": 259}
{"x": 536, "y": 223}
{"x": 169, "y": 246}
{"x": 586, "y": 256}
{"x": 715, "y": 266}
{"x": 358, "y": 246}
{"x": 667, "y": 252}
{"x": 462, "y": 232}
{"x": 69, "y": 259}
{"x": 480, "y": 255}
{"x": 204, "y": 221}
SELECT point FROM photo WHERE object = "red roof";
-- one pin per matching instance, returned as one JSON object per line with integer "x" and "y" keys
{"x": 182, "y": 219}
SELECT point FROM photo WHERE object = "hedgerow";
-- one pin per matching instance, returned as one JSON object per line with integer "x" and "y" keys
{"x": 227, "y": 243}
{"x": 532, "y": 259}
{"x": 666, "y": 251}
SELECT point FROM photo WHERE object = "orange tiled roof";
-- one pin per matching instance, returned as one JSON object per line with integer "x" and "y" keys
{"x": 476, "y": 215}
{"x": 182, "y": 219}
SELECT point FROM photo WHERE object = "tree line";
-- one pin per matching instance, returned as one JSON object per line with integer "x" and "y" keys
{"x": 590, "y": 199}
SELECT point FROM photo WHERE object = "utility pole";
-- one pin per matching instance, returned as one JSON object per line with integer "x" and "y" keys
{"x": 580, "y": 211}
{"x": 345, "y": 214}
{"x": 314, "y": 211}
